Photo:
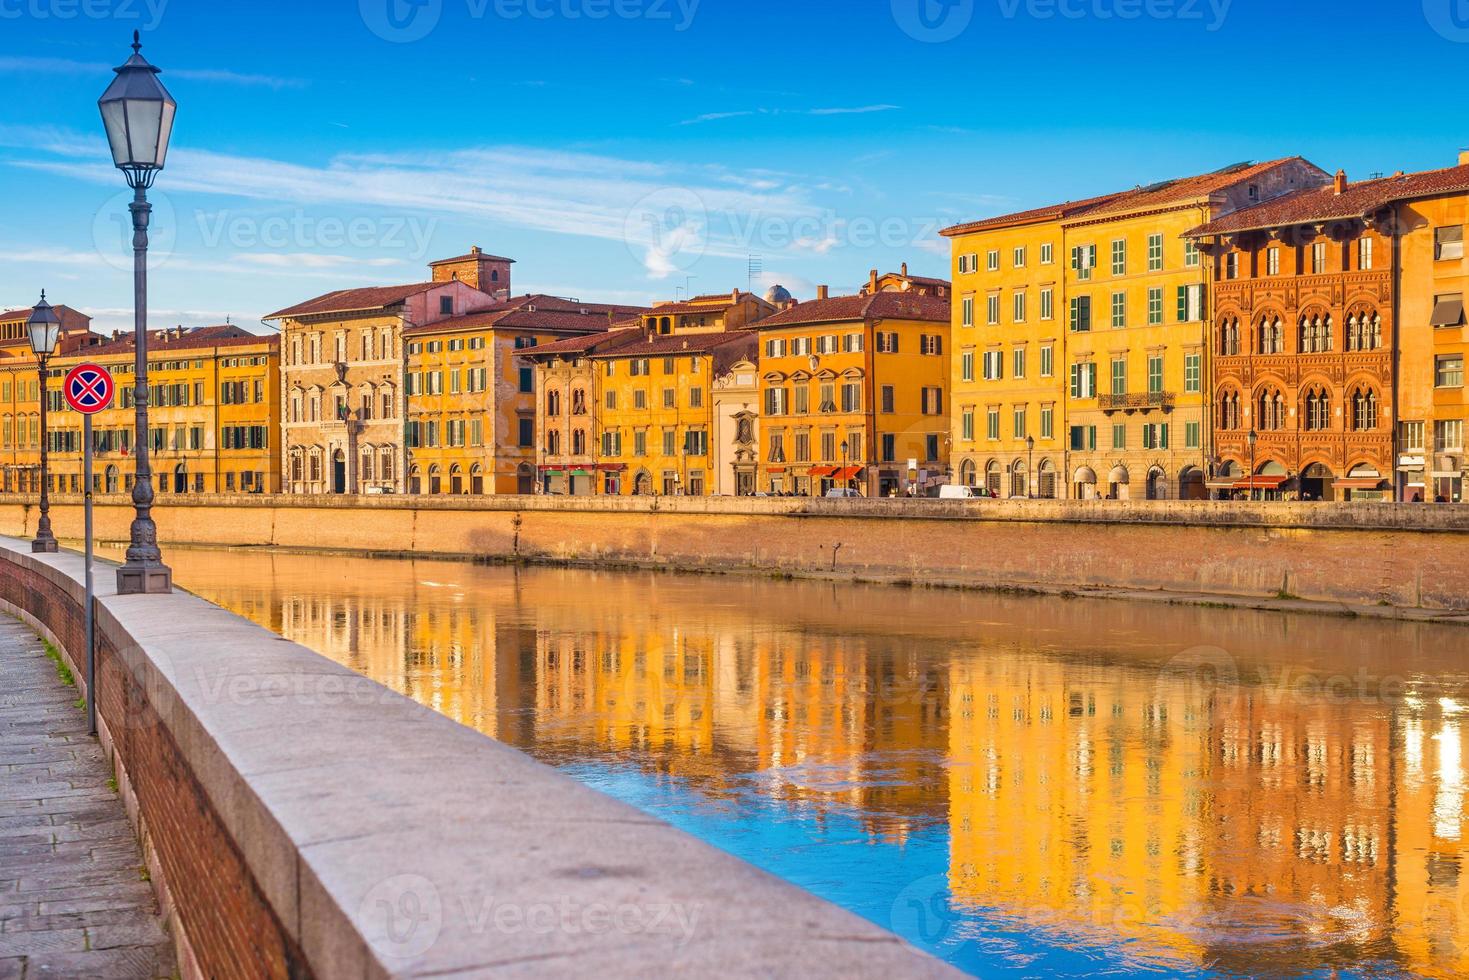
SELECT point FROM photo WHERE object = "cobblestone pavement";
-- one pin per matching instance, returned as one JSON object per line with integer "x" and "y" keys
{"x": 73, "y": 898}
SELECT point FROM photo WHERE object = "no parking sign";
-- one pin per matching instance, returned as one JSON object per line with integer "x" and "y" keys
{"x": 88, "y": 388}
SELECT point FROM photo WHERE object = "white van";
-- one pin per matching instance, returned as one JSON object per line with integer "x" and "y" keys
{"x": 957, "y": 493}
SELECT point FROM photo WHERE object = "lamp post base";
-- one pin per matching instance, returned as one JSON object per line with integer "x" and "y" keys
{"x": 144, "y": 580}
{"x": 44, "y": 546}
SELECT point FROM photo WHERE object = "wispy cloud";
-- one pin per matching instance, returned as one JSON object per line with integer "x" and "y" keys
{"x": 829, "y": 111}
{"x": 63, "y": 66}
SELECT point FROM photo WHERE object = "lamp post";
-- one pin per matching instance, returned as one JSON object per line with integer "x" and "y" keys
{"x": 44, "y": 327}
{"x": 1254, "y": 441}
{"x": 1030, "y": 467}
{"x": 845, "y": 451}
{"x": 138, "y": 113}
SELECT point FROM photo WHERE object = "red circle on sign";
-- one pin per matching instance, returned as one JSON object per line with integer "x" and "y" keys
{"x": 88, "y": 389}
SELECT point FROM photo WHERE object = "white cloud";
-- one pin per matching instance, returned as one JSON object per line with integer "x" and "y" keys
{"x": 836, "y": 111}
{"x": 63, "y": 66}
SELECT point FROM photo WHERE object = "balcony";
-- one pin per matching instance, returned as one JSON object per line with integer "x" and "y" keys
{"x": 1136, "y": 401}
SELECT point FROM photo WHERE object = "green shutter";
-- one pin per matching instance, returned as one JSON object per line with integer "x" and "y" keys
{"x": 1182, "y": 304}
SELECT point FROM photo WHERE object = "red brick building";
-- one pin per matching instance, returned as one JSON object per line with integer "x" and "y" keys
{"x": 1303, "y": 343}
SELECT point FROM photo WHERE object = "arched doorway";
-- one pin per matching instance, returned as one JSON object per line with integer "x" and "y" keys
{"x": 180, "y": 479}
{"x": 1047, "y": 481}
{"x": 339, "y": 472}
{"x": 642, "y": 484}
{"x": 1316, "y": 481}
{"x": 1119, "y": 484}
{"x": 969, "y": 473}
{"x": 435, "y": 481}
{"x": 415, "y": 480}
{"x": 1019, "y": 479}
{"x": 992, "y": 478}
{"x": 476, "y": 480}
{"x": 525, "y": 480}
{"x": 456, "y": 479}
{"x": 111, "y": 478}
{"x": 1191, "y": 484}
{"x": 1157, "y": 484}
{"x": 1085, "y": 482}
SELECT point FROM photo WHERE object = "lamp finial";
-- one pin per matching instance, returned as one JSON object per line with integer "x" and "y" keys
{"x": 137, "y": 45}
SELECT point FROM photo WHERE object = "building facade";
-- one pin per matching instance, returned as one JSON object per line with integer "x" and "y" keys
{"x": 854, "y": 394}
{"x": 20, "y": 393}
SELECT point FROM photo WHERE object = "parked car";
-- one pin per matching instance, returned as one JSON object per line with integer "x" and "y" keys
{"x": 842, "y": 492}
{"x": 957, "y": 493}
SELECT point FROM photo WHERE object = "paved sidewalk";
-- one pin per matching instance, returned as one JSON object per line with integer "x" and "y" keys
{"x": 73, "y": 900}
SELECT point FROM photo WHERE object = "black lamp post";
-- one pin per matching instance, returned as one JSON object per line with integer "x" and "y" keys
{"x": 138, "y": 113}
{"x": 845, "y": 451}
{"x": 44, "y": 327}
{"x": 1030, "y": 467}
{"x": 1254, "y": 441}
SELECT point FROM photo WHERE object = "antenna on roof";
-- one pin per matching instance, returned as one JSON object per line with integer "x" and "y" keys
{"x": 754, "y": 269}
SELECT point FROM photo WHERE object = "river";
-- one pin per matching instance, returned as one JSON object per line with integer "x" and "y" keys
{"x": 1023, "y": 786}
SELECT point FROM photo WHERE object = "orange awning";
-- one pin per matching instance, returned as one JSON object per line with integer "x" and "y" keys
{"x": 850, "y": 473}
{"x": 817, "y": 472}
{"x": 1359, "y": 483}
{"x": 1262, "y": 483}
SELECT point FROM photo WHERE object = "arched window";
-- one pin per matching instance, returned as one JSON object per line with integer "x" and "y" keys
{"x": 385, "y": 457}
{"x": 553, "y": 442}
{"x": 1316, "y": 335}
{"x": 1364, "y": 409}
{"x": 1364, "y": 331}
{"x": 365, "y": 468}
{"x": 1047, "y": 479}
{"x": 553, "y": 402}
{"x": 1271, "y": 415}
{"x": 969, "y": 473}
{"x": 1229, "y": 414}
{"x": 1229, "y": 336}
{"x": 992, "y": 477}
{"x": 1019, "y": 479}
{"x": 1271, "y": 338}
{"x": 1318, "y": 410}
{"x": 579, "y": 442}
{"x": 578, "y": 401}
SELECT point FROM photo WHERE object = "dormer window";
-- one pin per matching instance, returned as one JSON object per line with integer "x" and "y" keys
{"x": 446, "y": 305}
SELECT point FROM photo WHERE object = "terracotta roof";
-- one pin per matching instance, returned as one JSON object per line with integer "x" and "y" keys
{"x": 469, "y": 257}
{"x": 347, "y": 300}
{"x": 1051, "y": 212}
{"x": 1324, "y": 204}
{"x": 678, "y": 343}
{"x": 887, "y": 306}
{"x": 532, "y": 312}
{"x": 602, "y": 342}
{"x": 196, "y": 338}
{"x": 1186, "y": 189}
{"x": 700, "y": 304}
{"x": 25, "y": 314}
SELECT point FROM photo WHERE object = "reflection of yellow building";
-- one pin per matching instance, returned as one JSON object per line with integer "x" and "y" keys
{"x": 853, "y": 388}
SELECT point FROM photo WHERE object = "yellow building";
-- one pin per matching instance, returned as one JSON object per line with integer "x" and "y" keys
{"x": 854, "y": 394}
{"x": 653, "y": 395}
{"x": 471, "y": 393}
{"x": 213, "y": 415}
{"x": 20, "y": 394}
{"x": 1009, "y": 350}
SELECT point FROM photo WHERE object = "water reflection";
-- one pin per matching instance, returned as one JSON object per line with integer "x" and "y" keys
{"x": 1031, "y": 785}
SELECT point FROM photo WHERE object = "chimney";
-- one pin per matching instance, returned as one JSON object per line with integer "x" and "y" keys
{"x": 822, "y": 292}
{"x": 734, "y": 295}
{"x": 905, "y": 268}
{"x": 474, "y": 250}
{"x": 1464, "y": 156}
{"x": 1341, "y": 181}
{"x": 872, "y": 281}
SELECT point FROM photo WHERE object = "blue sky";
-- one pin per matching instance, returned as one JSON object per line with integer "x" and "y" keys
{"x": 616, "y": 148}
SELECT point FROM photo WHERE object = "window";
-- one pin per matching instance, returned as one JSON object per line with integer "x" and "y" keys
{"x": 802, "y": 399}
{"x": 1048, "y": 304}
{"x": 696, "y": 442}
{"x": 1410, "y": 435}
{"x": 992, "y": 260}
{"x": 776, "y": 401}
{"x": 1083, "y": 261}
{"x": 1364, "y": 409}
{"x": 1119, "y": 376}
{"x": 670, "y": 397}
{"x": 1231, "y": 265}
{"x": 1017, "y": 257}
{"x": 1119, "y": 309}
{"x": 1048, "y": 361}
{"x": 1083, "y": 437}
{"x": 1448, "y": 243}
{"x": 1272, "y": 336}
{"x": 1048, "y": 422}
{"x": 1119, "y": 436}
{"x": 1364, "y": 254}
{"x": 803, "y": 447}
{"x": 670, "y": 442}
{"x": 1193, "y": 373}
{"x": 994, "y": 365}
{"x": 696, "y": 398}
{"x": 889, "y": 447}
{"x": 931, "y": 344}
{"x": 964, "y": 265}
{"x": 775, "y": 348}
{"x": 1272, "y": 261}
{"x": 933, "y": 401}
{"x": 966, "y": 425}
{"x": 1019, "y": 362}
{"x": 1019, "y": 306}
{"x": 1081, "y": 314}
{"x": 1155, "y": 435}
{"x": 930, "y": 447}
{"x": 1155, "y": 253}
{"x": 887, "y": 343}
{"x": 889, "y": 395}
{"x": 640, "y": 443}
{"x": 1084, "y": 380}
{"x": 1318, "y": 258}
{"x": 1119, "y": 257}
{"x": 1448, "y": 310}
{"x": 446, "y": 305}
{"x": 1190, "y": 303}
{"x": 992, "y": 423}
{"x": 527, "y": 380}
{"x": 967, "y": 314}
{"x": 1190, "y": 253}
{"x": 1318, "y": 410}
{"x": 1047, "y": 254}
{"x": 1448, "y": 435}
{"x": 966, "y": 366}
{"x": 640, "y": 398}
{"x": 1155, "y": 305}
{"x": 852, "y": 396}
{"x": 1193, "y": 433}
{"x": 1155, "y": 374}
{"x": 1449, "y": 371}
{"x": 1019, "y": 420}
{"x": 992, "y": 309}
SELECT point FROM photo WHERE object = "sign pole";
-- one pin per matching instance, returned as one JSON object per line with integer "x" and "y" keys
{"x": 91, "y": 619}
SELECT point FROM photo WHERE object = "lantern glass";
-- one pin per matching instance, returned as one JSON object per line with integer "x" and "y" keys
{"x": 44, "y": 328}
{"x": 138, "y": 114}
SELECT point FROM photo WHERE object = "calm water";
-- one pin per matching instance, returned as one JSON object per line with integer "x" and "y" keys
{"x": 1025, "y": 787}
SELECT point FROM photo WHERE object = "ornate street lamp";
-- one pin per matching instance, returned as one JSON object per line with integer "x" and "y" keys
{"x": 1030, "y": 467}
{"x": 44, "y": 328}
{"x": 1254, "y": 441}
{"x": 138, "y": 113}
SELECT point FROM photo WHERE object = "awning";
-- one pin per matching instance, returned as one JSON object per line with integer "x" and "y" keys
{"x": 775, "y": 469}
{"x": 612, "y": 467}
{"x": 1263, "y": 483}
{"x": 1085, "y": 474}
{"x": 1226, "y": 483}
{"x": 1448, "y": 313}
{"x": 1360, "y": 483}
{"x": 850, "y": 473}
{"x": 818, "y": 472}
{"x": 580, "y": 473}
{"x": 553, "y": 469}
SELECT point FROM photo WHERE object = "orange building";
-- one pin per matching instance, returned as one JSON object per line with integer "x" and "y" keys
{"x": 20, "y": 393}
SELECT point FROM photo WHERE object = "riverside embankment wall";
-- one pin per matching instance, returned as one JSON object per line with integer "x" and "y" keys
{"x": 301, "y": 820}
{"x": 1409, "y": 556}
